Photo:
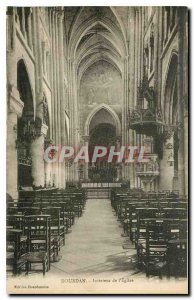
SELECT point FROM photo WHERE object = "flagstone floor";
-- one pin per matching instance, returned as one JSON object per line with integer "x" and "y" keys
{"x": 94, "y": 247}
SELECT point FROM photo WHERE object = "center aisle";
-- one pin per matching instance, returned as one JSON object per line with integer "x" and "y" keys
{"x": 94, "y": 247}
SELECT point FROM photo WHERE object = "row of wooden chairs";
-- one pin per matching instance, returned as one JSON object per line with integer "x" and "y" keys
{"x": 30, "y": 244}
{"x": 36, "y": 229}
{"x": 157, "y": 224}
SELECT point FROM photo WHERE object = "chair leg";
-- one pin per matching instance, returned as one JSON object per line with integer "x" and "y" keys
{"x": 147, "y": 269}
{"x": 27, "y": 268}
{"x": 15, "y": 269}
{"x": 160, "y": 274}
{"x": 44, "y": 268}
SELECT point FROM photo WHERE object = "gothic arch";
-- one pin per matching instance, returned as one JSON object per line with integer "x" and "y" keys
{"x": 110, "y": 111}
{"x": 97, "y": 57}
{"x": 24, "y": 85}
{"x": 25, "y": 126}
{"x": 89, "y": 24}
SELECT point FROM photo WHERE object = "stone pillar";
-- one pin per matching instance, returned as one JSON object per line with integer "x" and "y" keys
{"x": 72, "y": 91}
{"x": 15, "y": 108}
{"x": 185, "y": 97}
{"x": 43, "y": 46}
{"x": 37, "y": 153}
{"x": 125, "y": 136}
{"x": 48, "y": 166}
{"x": 47, "y": 172}
{"x": 23, "y": 26}
{"x": 59, "y": 58}
{"x": 186, "y": 137}
{"x": 167, "y": 167}
{"x": 38, "y": 65}
{"x": 181, "y": 166}
{"x": 62, "y": 94}
{"x": 130, "y": 88}
{"x": 29, "y": 20}
{"x": 86, "y": 142}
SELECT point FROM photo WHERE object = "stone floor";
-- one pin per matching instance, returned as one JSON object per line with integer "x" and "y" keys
{"x": 94, "y": 247}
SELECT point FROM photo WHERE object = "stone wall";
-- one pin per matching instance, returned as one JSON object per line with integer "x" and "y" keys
{"x": 100, "y": 84}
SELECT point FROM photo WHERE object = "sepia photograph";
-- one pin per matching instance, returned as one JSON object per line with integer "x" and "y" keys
{"x": 97, "y": 150}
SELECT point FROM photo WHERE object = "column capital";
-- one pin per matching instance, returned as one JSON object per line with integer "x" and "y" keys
{"x": 15, "y": 105}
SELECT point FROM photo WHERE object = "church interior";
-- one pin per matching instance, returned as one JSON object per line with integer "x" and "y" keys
{"x": 97, "y": 76}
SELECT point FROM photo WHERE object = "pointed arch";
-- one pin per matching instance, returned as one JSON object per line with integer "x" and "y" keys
{"x": 25, "y": 125}
{"x": 25, "y": 89}
{"x": 110, "y": 111}
{"x": 95, "y": 58}
{"x": 89, "y": 24}
{"x": 113, "y": 9}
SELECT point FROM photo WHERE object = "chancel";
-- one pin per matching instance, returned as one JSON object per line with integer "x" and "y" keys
{"x": 92, "y": 84}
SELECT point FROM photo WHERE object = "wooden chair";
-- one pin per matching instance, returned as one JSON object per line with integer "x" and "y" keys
{"x": 143, "y": 215}
{"x": 152, "y": 253}
{"x": 15, "y": 221}
{"x": 177, "y": 257}
{"x": 65, "y": 215}
{"x": 175, "y": 229}
{"x": 39, "y": 244}
{"x": 57, "y": 227}
{"x": 15, "y": 257}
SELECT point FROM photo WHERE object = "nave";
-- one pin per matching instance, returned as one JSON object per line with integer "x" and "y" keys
{"x": 94, "y": 248}
{"x": 131, "y": 234}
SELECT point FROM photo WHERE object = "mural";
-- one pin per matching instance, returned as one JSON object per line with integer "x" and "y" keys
{"x": 101, "y": 84}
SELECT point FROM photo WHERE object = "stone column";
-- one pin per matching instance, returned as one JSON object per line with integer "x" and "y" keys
{"x": 23, "y": 22}
{"x": 186, "y": 138}
{"x": 58, "y": 62}
{"x": 132, "y": 80}
{"x": 185, "y": 97}
{"x": 37, "y": 153}
{"x": 73, "y": 175}
{"x": 47, "y": 172}
{"x": 126, "y": 138}
{"x": 62, "y": 94}
{"x": 181, "y": 166}
{"x": 29, "y": 20}
{"x": 167, "y": 168}
{"x": 39, "y": 65}
{"x": 86, "y": 142}
{"x": 48, "y": 166}
{"x": 15, "y": 108}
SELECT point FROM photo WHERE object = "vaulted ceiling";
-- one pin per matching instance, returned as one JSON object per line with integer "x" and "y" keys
{"x": 96, "y": 33}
